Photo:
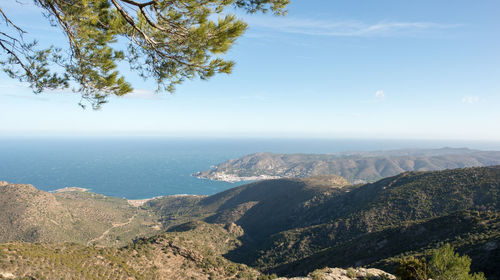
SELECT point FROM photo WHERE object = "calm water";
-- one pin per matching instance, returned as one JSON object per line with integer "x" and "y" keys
{"x": 142, "y": 168}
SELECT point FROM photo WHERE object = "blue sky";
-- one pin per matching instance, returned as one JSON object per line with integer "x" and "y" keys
{"x": 329, "y": 69}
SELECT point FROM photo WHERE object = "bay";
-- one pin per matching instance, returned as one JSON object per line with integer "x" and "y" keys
{"x": 137, "y": 168}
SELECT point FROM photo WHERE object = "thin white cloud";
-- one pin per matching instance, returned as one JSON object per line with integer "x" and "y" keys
{"x": 379, "y": 94}
{"x": 470, "y": 99}
{"x": 22, "y": 96}
{"x": 253, "y": 97}
{"x": 345, "y": 28}
{"x": 143, "y": 94}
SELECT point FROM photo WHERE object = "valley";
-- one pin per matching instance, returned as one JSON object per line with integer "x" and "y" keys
{"x": 288, "y": 227}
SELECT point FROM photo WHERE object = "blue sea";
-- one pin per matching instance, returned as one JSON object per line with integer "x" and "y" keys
{"x": 138, "y": 168}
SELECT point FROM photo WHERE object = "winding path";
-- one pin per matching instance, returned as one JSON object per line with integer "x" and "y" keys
{"x": 109, "y": 229}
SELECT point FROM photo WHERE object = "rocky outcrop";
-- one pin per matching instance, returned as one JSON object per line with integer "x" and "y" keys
{"x": 345, "y": 274}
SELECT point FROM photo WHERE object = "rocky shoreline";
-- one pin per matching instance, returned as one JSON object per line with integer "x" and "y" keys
{"x": 140, "y": 202}
{"x": 71, "y": 189}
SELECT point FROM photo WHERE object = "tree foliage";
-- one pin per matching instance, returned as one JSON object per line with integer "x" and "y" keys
{"x": 168, "y": 41}
{"x": 444, "y": 264}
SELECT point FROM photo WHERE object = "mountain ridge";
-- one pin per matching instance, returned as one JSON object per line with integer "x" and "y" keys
{"x": 31, "y": 215}
{"x": 290, "y": 226}
{"x": 356, "y": 167}
{"x": 326, "y": 217}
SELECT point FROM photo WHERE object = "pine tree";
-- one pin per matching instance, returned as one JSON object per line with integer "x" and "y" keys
{"x": 445, "y": 264}
{"x": 168, "y": 41}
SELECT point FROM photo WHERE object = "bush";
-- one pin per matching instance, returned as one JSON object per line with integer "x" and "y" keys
{"x": 267, "y": 277}
{"x": 318, "y": 274}
{"x": 351, "y": 273}
{"x": 412, "y": 269}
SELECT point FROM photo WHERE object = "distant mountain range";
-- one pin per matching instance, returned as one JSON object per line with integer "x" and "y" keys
{"x": 356, "y": 167}
{"x": 291, "y": 227}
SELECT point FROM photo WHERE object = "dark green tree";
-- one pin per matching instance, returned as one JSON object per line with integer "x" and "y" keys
{"x": 168, "y": 41}
{"x": 444, "y": 264}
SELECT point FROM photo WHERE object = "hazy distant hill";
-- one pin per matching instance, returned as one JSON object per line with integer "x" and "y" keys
{"x": 30, "y": 215}
{"x": 356, "y": 167}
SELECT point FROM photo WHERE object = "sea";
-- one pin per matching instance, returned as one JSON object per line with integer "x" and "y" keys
{"x": 138, "y": 168}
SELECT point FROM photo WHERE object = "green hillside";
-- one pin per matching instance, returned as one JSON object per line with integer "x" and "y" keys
{"x": 298, "y": 221}
{"x": 260, "y": 208}
{"x": 471, "y": 232}
{"x": 286, "y": 226}
{"x": 190, "y": 253}
{"x": 30, "y": 215}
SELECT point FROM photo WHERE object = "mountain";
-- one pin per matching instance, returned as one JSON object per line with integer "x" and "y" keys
{"x": 261, "y": 208}
{"x": 290, "y": 227}
{"x": 70, "y": 215}
{"x": 356, "y": 167}
{"x": 293, "y": 226}
{"x": 191, "y": 252}
{"x": 188, "y": 250}
{"x": 473, "y": 233}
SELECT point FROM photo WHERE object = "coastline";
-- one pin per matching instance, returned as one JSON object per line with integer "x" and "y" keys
{"x": 133, "y": 202}
{"x": 140, "y": 202}
{"x": 232, "y": 178}
{"x": 71, "y": 189}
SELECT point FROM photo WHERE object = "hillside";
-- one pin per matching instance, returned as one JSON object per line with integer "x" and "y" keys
{"x": 261, "y": 208}
{"x": 193, "y": 252}
{"x": 286, "y": 226}
{"x": 356, "y": 167}
{"x": 361, "y": 217}
{"x": 293, "y": 226}
{"x": 30, "y": 215}
{"x": 473, "y": 233}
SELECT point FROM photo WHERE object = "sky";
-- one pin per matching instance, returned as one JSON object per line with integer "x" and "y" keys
{"x": 329, "y": 69}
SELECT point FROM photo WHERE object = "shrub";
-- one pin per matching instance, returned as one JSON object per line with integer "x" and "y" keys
{"x": 318, "y": 274}
{"x": 412, "y": 269}
{"x": 351, "y": 273}
{"x": 267, "y": 277}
